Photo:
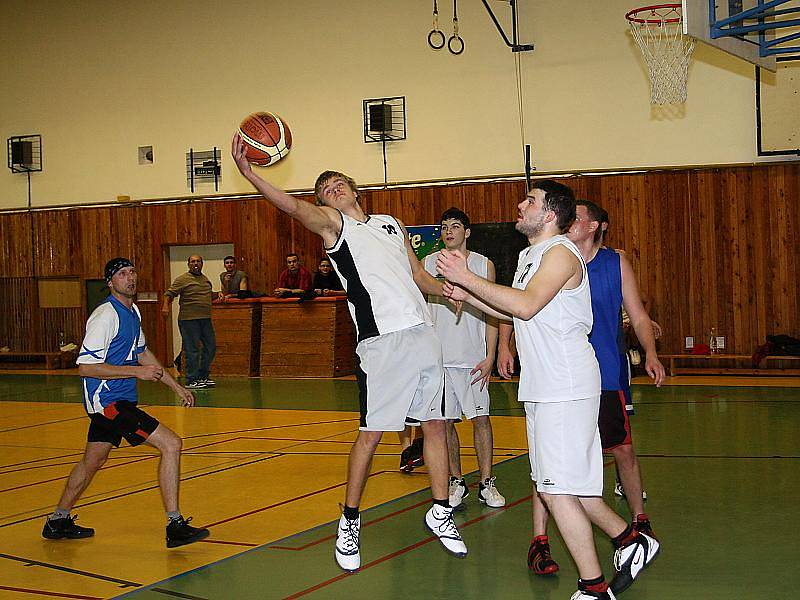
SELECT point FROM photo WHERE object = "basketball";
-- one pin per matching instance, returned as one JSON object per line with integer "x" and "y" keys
{"x": 267, "y": 138}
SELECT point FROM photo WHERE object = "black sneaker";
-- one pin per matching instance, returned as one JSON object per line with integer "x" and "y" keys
{"x": 412, "y": 457}
{"x": 180, "y": 533}
{"x": 56, "y": 529}
{"x": 631, "y": 558}
{"x": 209, "y": 382}
{"x": 540, "y": 561}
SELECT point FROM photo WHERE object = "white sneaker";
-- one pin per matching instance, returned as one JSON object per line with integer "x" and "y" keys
{"x": 620, "y": 491}
{"x": 348, "y": 556}
{"x": 489, "y": 495}
{"x": 440, "y": 521}
{"x": 458, "y": 491}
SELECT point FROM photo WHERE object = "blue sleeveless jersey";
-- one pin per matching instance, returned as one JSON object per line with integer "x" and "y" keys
{"x": 605, "y": 281}
{"x": 113, "y": 335}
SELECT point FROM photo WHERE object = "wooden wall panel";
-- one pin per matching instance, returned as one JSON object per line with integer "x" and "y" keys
{"x": 711, "y": 247}
{"x": 19, "y": 326}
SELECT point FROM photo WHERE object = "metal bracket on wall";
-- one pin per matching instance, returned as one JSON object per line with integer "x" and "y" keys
{"x": 514, "y": 42}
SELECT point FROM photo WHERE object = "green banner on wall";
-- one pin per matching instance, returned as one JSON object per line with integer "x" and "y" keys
{"x": 425, "y": 239}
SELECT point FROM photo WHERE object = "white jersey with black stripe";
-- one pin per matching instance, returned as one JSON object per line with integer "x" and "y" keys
{"x": 463, "y": 337}
{"x": 370, "y": 258}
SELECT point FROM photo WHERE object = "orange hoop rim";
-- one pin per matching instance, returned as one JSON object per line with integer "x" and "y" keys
{"x": 633, "y": 15}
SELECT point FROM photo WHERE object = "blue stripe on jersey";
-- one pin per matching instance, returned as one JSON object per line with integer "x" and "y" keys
{"x": 605, "y": 282}
{"x": 92, "y": 353}
{"x": 123, "y": 350}
{"x": 357, "y": 294}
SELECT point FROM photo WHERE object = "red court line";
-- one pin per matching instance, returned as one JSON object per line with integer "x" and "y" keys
{"x": 281, "y": 503}
{"x": 402, "y": 551}
{"x": 330, "y": 537}
{"x": 199, "y": 435}
{"x": 24, "y": 485}
{"x": 119, "y": 464}
{"x": 45, "y": 593}
{"x": 229, "y": 543}
{"x": 35, "y": 460}
{"x": 406, "y": 509}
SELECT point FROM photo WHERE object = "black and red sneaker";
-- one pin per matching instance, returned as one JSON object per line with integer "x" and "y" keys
{"x": 57, "y": 529}
{"x": 412, "y": 457}
{"x": 642, "y": 524}
{"x": 539, "y": 559}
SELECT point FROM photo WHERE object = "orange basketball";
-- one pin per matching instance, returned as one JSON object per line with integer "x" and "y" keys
{"x": 267, "y": 138}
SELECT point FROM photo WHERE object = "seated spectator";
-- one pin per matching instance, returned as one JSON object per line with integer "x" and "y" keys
{"x": 295, "y": 280}
{"x": 231, "y": 280}
{"x": 326, "y": 281}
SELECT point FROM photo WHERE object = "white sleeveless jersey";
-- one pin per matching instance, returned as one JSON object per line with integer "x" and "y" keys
{"x": 372, "y": 263}
{"x": 558, "y": 363}
{"x": 463, "y": 340}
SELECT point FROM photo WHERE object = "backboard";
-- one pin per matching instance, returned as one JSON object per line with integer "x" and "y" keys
{"x": 751, "y": 38}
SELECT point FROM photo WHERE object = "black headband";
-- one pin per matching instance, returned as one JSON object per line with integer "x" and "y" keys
{"x": 114, "y": 265}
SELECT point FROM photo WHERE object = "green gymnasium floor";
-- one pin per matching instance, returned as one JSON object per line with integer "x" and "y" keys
{"x": 720, "y": 468}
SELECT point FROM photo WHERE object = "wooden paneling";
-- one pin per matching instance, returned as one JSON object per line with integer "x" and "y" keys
{"x": 237, "y": 328}
{"x": 308, "y": 339}
{"x": 711, "y": 247}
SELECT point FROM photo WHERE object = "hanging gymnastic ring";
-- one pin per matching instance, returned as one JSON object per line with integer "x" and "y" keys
{"x": 435, "y": 34}
{"x": 451, "y": 44}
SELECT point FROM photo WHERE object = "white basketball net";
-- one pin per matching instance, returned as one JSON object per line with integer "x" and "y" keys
{"x": 666, "y": 50}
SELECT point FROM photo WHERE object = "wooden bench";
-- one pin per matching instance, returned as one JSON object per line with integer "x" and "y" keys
{"x": 37, "y": 360}
{"x": 711, "y": 364}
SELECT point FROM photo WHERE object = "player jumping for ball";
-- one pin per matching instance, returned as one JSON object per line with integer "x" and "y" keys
{"x": 400, "y": 372}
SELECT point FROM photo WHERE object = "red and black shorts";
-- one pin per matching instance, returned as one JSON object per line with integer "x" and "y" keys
{"x": 613, "y": 422}
{"x": 121, "y": 420}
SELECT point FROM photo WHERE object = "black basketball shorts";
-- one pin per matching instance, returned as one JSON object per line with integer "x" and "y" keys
{"x": 615, "y": 427}
{"x": 122, "y": 419}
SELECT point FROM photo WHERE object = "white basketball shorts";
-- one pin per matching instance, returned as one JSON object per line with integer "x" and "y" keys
{"x": 564, "y": 447}
{"x": 461, "y": 397}
{"x": 400, "y": 377}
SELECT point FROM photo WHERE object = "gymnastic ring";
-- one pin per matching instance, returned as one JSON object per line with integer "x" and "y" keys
{"x": 435, "y": 34}
{"x": 451, "y": 45}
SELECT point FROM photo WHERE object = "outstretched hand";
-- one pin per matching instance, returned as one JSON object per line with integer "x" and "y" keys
{"x": 453, "y": 265}
{"x": 239, "y": 153}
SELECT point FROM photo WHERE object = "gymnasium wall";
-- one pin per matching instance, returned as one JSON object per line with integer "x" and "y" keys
{"x": 98, "y": 79}
{"x": 711, "y": 247}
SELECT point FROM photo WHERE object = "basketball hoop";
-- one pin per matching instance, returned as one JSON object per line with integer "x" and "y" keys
{"x": 658, "y": 30}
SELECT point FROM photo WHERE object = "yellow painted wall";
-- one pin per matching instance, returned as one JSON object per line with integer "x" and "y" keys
{"x": 97, "y": 79}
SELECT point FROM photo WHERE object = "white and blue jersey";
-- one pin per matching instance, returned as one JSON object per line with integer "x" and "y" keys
{"x": 114, "y": 336}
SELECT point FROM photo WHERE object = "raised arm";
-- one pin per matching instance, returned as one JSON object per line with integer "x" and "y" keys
{"x": 322, "y": 220}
